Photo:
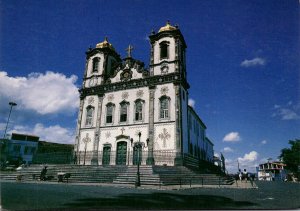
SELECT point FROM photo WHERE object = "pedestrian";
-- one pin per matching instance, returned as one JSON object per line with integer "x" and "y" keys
{"x": 240, "y": 174}
{"x": 75, "y": 158}
{"x": 43, "y": 173}
{"x": 245, "y": 174}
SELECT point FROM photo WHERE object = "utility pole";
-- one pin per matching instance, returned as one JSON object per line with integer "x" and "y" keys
{"x": 12, "y": 104}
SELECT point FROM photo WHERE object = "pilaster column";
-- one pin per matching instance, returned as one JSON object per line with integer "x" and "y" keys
{"x": 177, "y": 55}
{"x": 94, "y": 160}
{"x": 152, "y": 59}
{"x": 179, "y": 157}
{"x": 79, "y": 120}
{"x": 150, "y": 159}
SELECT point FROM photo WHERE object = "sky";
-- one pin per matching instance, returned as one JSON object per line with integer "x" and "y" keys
{"x": 242, "y": 64}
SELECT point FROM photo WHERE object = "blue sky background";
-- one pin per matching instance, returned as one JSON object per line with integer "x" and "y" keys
{"x": 242, "y": 63}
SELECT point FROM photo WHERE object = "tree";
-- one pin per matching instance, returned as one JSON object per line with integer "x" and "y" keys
{"x": 291, "y": 156}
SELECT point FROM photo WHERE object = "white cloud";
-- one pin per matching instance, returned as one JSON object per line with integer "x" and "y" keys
{"x": 287, "y": 112}
{"x": 249, "y": 161}
{"x": 264, "y": 142}
{"x": 54, "y": 133}
{"x": 44, "y": 93}
{"x": 192, "y": 102}
{"x": 253, "y": 62}
{"x": 227, "y": 149}
{"x": 250, "y": 157}
{"x": 232, "y": 137}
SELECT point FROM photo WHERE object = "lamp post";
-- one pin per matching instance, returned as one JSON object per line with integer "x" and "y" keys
{"x": 138, "y": 145}
{"x": 12, "y": 104}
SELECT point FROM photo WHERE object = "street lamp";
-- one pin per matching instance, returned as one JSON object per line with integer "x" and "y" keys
{"x": 12, "y": 104}
{"x": 138, "y": 145}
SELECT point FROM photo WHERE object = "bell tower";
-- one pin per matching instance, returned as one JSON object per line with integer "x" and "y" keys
{"x": 100, "y": 64}
{"x": 167, "y": 51}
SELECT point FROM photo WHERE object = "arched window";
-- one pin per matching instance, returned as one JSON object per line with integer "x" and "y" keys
{"x": 138, "y": 110}
{"x": 109, "y": 112}
{"x": 123, "y": 111}
{"x": 164, "y": 50}
{"x": 164, "y": 107}
{"x": 96, "y": 62}
{"x": 89, "y": 115}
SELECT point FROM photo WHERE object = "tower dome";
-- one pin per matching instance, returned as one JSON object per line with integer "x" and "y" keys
{"x": 105, "y": 44}
{"x": 167, "y": 27}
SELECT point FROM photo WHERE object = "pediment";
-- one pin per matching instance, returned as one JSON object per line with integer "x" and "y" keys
{"x": 127, "y": 74}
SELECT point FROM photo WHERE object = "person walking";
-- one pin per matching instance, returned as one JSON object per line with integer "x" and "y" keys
{"x": 245, "y": 174}
{"x": 240, "y": 174}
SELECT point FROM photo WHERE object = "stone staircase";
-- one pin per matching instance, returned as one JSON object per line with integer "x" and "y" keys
{"x": 147, "y": 176}
{"x": 176, "y": 175}
{"x": 122, "y": 175}
{"x": 82, "y": 174}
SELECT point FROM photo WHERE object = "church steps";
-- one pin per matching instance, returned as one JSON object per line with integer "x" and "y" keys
{"x": 78, "y": 173}
{"x": 149, "y": 175}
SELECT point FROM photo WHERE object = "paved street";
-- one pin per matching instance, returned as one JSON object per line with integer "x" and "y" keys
{"x": 29, "y": 196}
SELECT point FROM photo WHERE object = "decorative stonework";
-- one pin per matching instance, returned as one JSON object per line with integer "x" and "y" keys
{"x": 91, "y": 100}
{"x": 107, "y": 134}
{"x": 164, "y": 90}
{"x": 122, "y": 130}
{"x": 126, "y": 74}
{"x": 150, "y": 81}
{"x": 110, "y": 97}
{"x": 125, "y": 95}
{"x": 164, "y": 68}
{"x": 137, "y": 132}
{"x": 139, "y": 93}
{"x": 87, "y": 139}
{"x": 164, "y": 136}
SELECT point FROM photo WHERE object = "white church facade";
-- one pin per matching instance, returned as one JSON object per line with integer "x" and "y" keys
{"x": 122, "y": 103}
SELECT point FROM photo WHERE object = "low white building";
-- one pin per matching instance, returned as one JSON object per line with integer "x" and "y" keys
{"x": 271, "y": 171}
{"x": 121, "y": 98}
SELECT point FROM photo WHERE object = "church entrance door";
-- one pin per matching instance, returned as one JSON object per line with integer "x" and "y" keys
{"x": 106, "y": 156}
{"x": 137, "y": 155}
{"x": 121, "y": 153}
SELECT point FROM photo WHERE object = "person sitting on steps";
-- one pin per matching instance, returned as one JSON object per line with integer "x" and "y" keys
{"x": 43, "y": 174}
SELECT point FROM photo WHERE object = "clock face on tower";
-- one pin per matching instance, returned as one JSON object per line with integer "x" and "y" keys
{"x": 164, "y": 69}
{"x": 126, "y": 75}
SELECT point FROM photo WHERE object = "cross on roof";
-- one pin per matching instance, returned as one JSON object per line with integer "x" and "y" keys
{"x": 129, "y": 50}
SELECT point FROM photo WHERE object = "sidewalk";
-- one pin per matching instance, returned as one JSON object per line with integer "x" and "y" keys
{"x": 238, "y": 185}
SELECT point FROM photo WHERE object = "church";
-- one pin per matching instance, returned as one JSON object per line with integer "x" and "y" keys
{"x": 129, "y": 113}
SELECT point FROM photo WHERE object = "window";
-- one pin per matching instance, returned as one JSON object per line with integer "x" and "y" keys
{"x": 109, "y": 113}
{"x": 89, "y": 116}
{"x": 164, "y": 48}
{"x": 96, "y": 62}
{"x": 138, "y": 110}
{"x": 26, "y": 150}
{"x": 123, "y": 112}
{"x": 164, "y": 107}
{"x": 17, "y": 148}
